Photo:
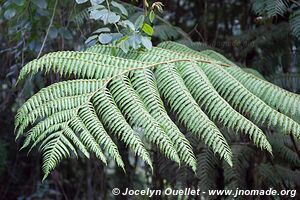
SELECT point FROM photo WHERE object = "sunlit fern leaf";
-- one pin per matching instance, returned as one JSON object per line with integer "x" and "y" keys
{"x": 79, "y": 64}
{"x": 113, "y": 119}
{"x": 77, "y": 124}
{"x": 247, "y": 103}
{"x": 283, "y": 100}
{"x": 206, "y": 95}
{"x": 58, "y": 97}
{"x": 231, "y": 83}
{"x": 145, "y": 84}
{"x": 171, "y": 86}
{"x": 95, "y": 127}
{"x": 133, "y": 108}
{"x": 116, "y": 92}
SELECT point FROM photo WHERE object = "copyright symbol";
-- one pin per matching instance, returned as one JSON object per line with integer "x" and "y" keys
{"x": 115, "y": 191}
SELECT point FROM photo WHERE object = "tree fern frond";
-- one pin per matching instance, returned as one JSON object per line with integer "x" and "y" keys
{"x": 55, "y": 93}
{"x": 80, "y": 64}
{"x": 284, "y": 101}
{"x": 125, "y": 91}
{"x": 134, "y": 109}
{"x": 285, "y": 122}
{"x": 69, "y": 133}
{"x": 112, "y": 117}
{"x": 87, "y": 138}
{"x": 145, "y": 84}
{"x": 247, "y": 103}
{"x": 92, "y": 123}
{"x": 217, "y": 108}
{"x": 48, "y": 123}
{"x": 53, "y": 152}
{"x": 189, "y": 113}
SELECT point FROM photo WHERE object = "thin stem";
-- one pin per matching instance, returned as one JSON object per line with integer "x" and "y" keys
{"x": 46, "y": 36}
{"x": 108, "y": 8}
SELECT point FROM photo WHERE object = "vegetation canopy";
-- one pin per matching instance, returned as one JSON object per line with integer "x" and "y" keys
{"x": 154, "y": 98}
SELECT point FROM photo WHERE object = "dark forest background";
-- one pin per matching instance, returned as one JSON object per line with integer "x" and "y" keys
{"x": 259, "y": 39}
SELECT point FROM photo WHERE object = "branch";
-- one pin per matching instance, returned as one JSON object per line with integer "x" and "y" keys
{"x": 46, "y": 36}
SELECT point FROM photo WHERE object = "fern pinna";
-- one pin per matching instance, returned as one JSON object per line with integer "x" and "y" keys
{"x": 116, "y": 93}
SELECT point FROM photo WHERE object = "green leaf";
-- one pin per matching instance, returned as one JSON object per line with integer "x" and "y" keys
{"x": 148, "y": 29}
{"x": 81, "y": 1}
{"x": 116, "y": 36}
{"x": 120, "y": 7}
{"x": 102, "y": 30}
{"x": 97, "y": 14}
{"x": 146, "y": 43}
{"x": 124, "y": 45}
{"x": 151, "y": 16}
{"x": 91, "y": 38}
{"x": 139, "y": 22}
{"x": 135, "y": 41}
{"x": 105, "y": 38}
{"x": 95, "y": 2}
{"x": 113, "y": 18}
{"x": 127, "y": 23}
{"x": 10, "y": 13}
{"x": 105, "y": 15}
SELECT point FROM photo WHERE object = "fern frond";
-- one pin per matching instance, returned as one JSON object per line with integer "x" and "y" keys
{"x": 113, "y": 119}
{"x": 217, "y": 108}
{"x": 87, "y": 138}
{"x": 53, "y": 152}
{"x": 289, "y": 125}
{"x": 171, "y": 86}
{"x": 284, "y": 101}
{"x": 94, "y": 126}
{"x": 136, "y": 113}
{"x": 145, "y": 84}
{"x": 127, "y": 91}
{"x": 53, "y": 98}
{"x": 247, "y": 103}
{"x": 81, "y": 64}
